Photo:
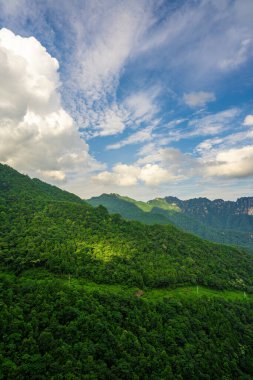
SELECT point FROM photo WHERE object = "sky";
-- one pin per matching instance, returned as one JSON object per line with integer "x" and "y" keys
{"x": 146, "y": 98}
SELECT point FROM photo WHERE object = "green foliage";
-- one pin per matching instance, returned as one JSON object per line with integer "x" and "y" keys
{"x": 15, "y": 187}
{"x": 197, "y": 216}
{"x": 73, "y": 237}
{"x": 68, "y": 302}
{"x": 50, "y": 330}
{"x": 128, "y": 208}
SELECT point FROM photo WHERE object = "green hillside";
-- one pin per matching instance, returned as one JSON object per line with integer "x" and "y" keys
{"x": 162, "y": 211}
{"x": 72, "y": 237}
{"x": 15, "y": 186}
{"x": 128, "y": 208}
{"x": 89, "y": 295}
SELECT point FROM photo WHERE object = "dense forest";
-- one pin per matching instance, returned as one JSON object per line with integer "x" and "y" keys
{"x": 75, "y": 284}
{"x": 218, "y": 221}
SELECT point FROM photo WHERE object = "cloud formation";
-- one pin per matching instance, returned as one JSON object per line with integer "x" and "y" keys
{"x": 130, "y": 175}
{"x": 233, "y": 163}
{"x": 141, "y": 136}
{"x": 36, "y": 134}
{"x": 140, "y": 73}
{"x": 248, "y": 120}
{"x": 198, "y": 99}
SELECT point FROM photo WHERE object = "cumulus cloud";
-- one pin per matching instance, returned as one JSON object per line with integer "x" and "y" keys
{"x": 130, "y": 175}
{"x": 155, "y": 166}
{"x": 232, "y": 163}
{"x": 198, "y": 99}
{"x": 152, "y": 174}
{"x": 36, "y": 134}
{"x": 248, "y": 120}
{"x": 122, "y": 175}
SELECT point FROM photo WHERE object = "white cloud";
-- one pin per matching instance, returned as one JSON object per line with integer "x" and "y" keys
{"x": 207, "y": 145}
{"x": 57, "y": 175}
{"x": 115, "y": 28}
{"x": 36, "y": 134}
{"x": 198, "y": 99}
{"x": 231, "y": 140}
{"x": 174, "y": 123}
{"x": 152, "y": 174}
{"x": 237, "y": 162}
{"x": 201, "y": 40}
{"x": 141, "y": 105}
{"x": 130, "y": 175}
{"x": 209, "y": 125}
{"x": 136, "y": 108}
{"x": 141, "y": 136}
{"x": 103, "y": 45}
{"x": 180, "y": 165}
{"x": 111, "y": 124}
{"x": 239, "y": 57}
{"x": 248, "y": 120}
{"x": 122, "y": 175}
{"x": 214, "y": 123}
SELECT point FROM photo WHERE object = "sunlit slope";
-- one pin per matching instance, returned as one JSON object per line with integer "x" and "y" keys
{"x": 74, "y": 238}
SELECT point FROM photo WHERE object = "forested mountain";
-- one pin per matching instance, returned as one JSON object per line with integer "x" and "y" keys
{"x": 88, "y": 295}
{"x": 15, "y": 186}
{"x": 218, "y": 221}
{"x": 231, "y": 215}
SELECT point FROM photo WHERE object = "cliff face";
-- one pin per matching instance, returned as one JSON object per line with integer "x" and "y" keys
{"x": 219, "y": 213}
{"x": 203, "y": 206}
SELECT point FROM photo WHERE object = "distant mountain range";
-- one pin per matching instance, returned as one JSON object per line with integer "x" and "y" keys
{"x": 220, "y": 221}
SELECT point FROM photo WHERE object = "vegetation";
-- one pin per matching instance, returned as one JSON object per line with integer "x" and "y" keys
{"x": 73, "y": 238}
{"x": 88, "y": 295}
{"x": 198, "y": 216}
{"x": 56, "y": 331}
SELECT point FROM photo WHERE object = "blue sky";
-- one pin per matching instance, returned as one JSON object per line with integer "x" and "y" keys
{"x": 142, "y": 98}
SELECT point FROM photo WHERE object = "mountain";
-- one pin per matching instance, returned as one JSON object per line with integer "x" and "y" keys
{"x": 16, "y": 186}
{"x": 56, "y": 230}
{"x": 89, "y": 295}
{"x": 218, "y": 221}
{"x": 128, "y": 208}
{"x": 231, "y": 215}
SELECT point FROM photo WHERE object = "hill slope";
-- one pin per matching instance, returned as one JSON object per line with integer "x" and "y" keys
{"x": 73, "y": 237}
{"x": 16, "y": 186}
{"x": 191, "y": 218}
{"x": 71, "y": 305}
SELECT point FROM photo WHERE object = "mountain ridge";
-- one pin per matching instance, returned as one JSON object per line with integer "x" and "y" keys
{"x": 195, "y": 216}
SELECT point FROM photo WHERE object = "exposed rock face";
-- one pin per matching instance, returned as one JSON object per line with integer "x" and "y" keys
{"x": 219, "y": 213}
{"x": 203, "y": 206}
